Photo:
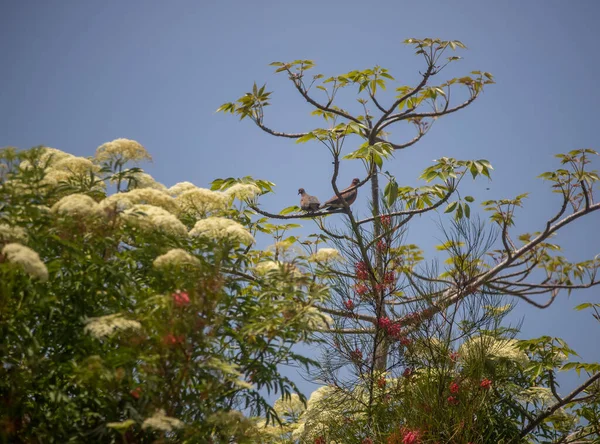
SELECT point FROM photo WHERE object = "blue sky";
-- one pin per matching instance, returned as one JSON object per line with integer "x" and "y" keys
{"x": 77, "y": 74}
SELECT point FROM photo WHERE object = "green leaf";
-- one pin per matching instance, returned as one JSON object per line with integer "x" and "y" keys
{"x": 451, "y": 207}
{"x": 288, "y": 210}
{"x": 469, "y": 198}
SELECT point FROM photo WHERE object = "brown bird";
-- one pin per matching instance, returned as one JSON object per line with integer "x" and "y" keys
{"x": 308, "y": 202}
{"x": 348, "y": 194}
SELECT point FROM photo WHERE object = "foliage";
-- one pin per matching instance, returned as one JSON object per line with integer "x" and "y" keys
{"x": 121, "y": 320}
{"x": 418, "y": 351}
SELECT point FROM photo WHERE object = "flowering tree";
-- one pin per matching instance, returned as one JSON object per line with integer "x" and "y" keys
{"x": 141, "y": 314}
{"x": 419, "y": 353}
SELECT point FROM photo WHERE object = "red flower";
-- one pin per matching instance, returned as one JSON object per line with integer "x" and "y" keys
{"x": 485, "y": 384}
{"x": 454, "y": 387}
{"x": 407, "y": 372}
{"x": 411, "y": 437}
{"x": 349, "y": 305}
{"x": 367, "y": 441}
{"x": 180, "y": 298}
{"x": 452, "y": 400}
{"x": 386, "y": 221}
{"x": 362, "y": 272}
{"x": 381, "y": 382}
{"x": 320, "y": 440}
{"x": 356, "y": 355}
{"x": 454, "y": 356}
{"x": 361, "y": 289}
{"x": 389, "y": 278}
{"x": 171, "y": 339}
{"x": 405, "y": 341}
{"x": 136, "y": 392}
{"x": 381, "y": 246}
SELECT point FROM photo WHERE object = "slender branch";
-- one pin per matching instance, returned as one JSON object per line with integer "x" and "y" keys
{"x": 568, "y": 399}
{"x": 277, "y": 133}
{"x": 316, "y": 104}
{"x": 295, "y": 216}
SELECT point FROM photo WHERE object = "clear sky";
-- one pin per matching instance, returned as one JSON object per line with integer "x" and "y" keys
{"x": 76, "y": 74}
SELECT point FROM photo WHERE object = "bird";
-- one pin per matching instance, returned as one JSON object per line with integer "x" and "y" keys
{"x": 308, "y": 202}
{"x": 348, "y": 194}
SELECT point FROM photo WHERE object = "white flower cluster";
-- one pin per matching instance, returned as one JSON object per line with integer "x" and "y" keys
{"x": 149, "y": 196}
{"x": 160, "y": 421}
{"x": 103, "y": 326}
{"x": 180, "y": 188}
{"x": 152, "y": 218}
{"x": 60, "y": 166}
{"x": 145, "y": 180}
{"x": 325, "y": 255}
{"x": 200, "y": 201}
{"x": 80, "y": 205}
{"x": 490, "y": 347}
{"x": 316, "y": 320}
{"x": 12, "y": 234}
{"x": 291, "y": 407}
{"x": 267, "y": 266}
{"x": 27, "y": 259}
{"x": 221, "y": 229}
{"x": 175, "y": 257}
{"x": 122, "y": 149}
{"x": 243, "y": 191}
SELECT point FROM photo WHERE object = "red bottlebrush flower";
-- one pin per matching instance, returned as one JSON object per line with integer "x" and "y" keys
{"x": 136, "y": 393}
{"x": 411, "y": 437}
{"x": 349, "y": 305}
{"x": 407, "y": 372}
{"x": 361, "y": 270}
{"x": 389, "y": 278}
{"x": 485, "y": 384}
{"x": 171, "y": 339}
{"x": 404, "y": 341}
{"x": 380, "y": 288}
{"x": 320, "y": 440}
{"x": 356, "y": 355}
{"x": 361, "y": 289}
{"x": 381, "y": 246}
{"x": 381, "y": 382}
{"x": 386, "y": 221}
{"x": 367, "y": 441}
{"x": 180, "y": 298}
{"x": 452, "y": 400}
{"x": 454, "y": 356}
{"x": 454, "y": 387}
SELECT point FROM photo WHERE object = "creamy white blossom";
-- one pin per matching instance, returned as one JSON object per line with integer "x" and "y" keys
{"x": 150, "y": 218}
{"x": 201, "y": 201}
{"x": 489, "y": 347}
{"x": 27, "y": 259}
{"x": 12, "y": 234}
{"x": 124, "y": 201}
{"x": 316, "y": 320}
{"x": 265, "y": 267}
{"x": 76, "y": 205}
{"x": 175, "y": 257}
{"x": 242, "y": 191}
{"x": 291, "y": 407}
{"x": 160, "y": 421}
{"x": 122, "y": 149}
{"x": 180, "y": 188}
{"x": 145, "y": 180}
{"x": 103, "y": 326}
{"x": 222, "y": 229}
{"x": 325, "y": 255}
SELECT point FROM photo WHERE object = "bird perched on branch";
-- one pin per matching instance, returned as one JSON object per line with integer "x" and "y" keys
{"x": 308, "y": 202}
{"x": 348, "y": 194}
